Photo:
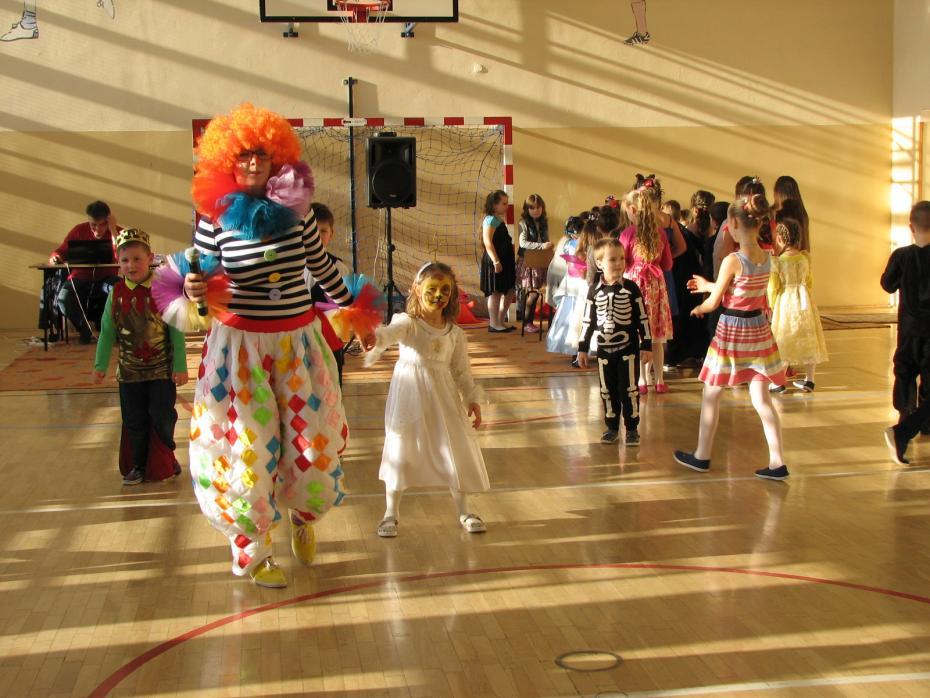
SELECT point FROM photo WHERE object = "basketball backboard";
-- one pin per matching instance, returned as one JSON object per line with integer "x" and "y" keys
{"x": 325, "y": 11}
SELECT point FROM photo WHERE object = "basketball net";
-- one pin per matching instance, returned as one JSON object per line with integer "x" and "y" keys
{"x": 362, "y": 20}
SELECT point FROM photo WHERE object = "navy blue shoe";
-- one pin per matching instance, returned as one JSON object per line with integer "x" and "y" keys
{"x": 779, "y": 473}
{"x": 689, "y": 461}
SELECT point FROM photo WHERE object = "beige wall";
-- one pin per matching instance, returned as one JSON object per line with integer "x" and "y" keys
{"x": 100, "y": 108}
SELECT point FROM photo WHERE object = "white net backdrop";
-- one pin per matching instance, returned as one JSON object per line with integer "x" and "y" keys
{"x": 457, "y": 166}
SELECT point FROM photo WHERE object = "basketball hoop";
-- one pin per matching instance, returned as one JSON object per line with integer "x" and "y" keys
{"x": 362, "y": 18}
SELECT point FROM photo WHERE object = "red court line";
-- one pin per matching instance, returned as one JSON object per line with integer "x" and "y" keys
{"x": 499, "y": 422}
{"x": 114, "y": 679}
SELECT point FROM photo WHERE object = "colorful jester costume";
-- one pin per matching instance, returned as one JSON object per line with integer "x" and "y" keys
{"x": 268, "y": 425}
{"x": 149, "y": 353}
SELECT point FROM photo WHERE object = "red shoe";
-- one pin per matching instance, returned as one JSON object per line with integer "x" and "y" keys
{"x": 643, "y": 389}
{"x": 661, "y": 388}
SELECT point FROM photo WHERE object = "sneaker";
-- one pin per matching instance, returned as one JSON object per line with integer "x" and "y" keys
{"x": 472, "y": 523}
{"x": 531, "y": 329}
{"x": 388, "y": 528}
{"x": 268, "y": 574}
{"x": 689, "y": 461}
{"x": 806, "y": 386}
{"x": 609, "y": 437}
{"x": 777, "y": 389}
{"x": 779, "y": 473}
{"x": 303, "y": 540}
{"x": 897, "y": 447}
{"x": 637, "y": 39}
{"x": 134, "y": 476}
{"x": 18, "y": 31}
{"x": 632, "y": 437}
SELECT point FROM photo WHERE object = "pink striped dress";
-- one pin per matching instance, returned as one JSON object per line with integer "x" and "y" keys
{"x": 743, "y": 348}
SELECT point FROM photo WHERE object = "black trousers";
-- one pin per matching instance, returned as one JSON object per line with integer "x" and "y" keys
{"x": 911, "y": 361}
{"x": 148, "y": 406}
{"x": 619, "y": 374}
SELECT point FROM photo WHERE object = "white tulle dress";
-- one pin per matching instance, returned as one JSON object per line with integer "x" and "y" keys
{"x": 429, "y": 440}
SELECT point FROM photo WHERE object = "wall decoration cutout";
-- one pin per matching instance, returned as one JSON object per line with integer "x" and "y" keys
{"x": 640, "y": 37}
{"x": 28, "y": 26}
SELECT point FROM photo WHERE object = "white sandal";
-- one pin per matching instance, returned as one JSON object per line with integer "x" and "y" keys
{"x": 388, "y": 528}
{"x": 472, "y": 523}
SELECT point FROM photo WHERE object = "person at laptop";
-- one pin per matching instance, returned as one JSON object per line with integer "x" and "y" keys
{"x": 87, "y": 286}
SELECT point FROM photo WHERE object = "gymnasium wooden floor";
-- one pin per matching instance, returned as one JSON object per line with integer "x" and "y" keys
{"x": 704, "y": 584}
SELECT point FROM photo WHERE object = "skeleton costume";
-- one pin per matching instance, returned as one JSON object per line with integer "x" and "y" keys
{"x": 616, "y": 315}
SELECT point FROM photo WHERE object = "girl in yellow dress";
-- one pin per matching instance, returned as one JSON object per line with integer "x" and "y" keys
{"x": 795, "y": 320}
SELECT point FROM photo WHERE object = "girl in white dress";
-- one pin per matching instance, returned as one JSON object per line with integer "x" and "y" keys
{"x": 428, "y": 436}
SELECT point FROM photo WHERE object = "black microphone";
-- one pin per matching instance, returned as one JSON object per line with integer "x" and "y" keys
{"x": 192, "y": 255}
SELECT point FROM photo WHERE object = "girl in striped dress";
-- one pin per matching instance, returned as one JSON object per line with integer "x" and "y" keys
{"x": 743, "y": 349}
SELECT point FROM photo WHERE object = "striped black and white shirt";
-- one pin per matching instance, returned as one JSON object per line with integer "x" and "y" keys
{"x": 267, "y": 275}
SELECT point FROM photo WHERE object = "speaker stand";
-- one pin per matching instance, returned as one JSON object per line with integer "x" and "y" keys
{"x": 389, "y": 287}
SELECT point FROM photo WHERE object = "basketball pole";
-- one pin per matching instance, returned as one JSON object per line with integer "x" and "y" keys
{"x": 350, "y": 82}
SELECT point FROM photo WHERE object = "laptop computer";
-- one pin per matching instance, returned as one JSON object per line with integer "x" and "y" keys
{"x": 90, "y": 252}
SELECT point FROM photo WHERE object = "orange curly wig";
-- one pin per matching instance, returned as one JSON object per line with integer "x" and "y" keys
{"x": 246, "y": 127}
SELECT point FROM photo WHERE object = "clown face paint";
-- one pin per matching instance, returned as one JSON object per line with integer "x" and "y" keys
{"x": 435, "y": 293}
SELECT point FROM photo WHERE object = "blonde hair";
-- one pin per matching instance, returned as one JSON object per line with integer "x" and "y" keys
{"x": 647, "y": 243}
{"x": 432, "y": 270}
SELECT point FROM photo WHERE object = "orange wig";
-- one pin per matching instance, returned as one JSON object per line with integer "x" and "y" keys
{"x": 245, "y": 128}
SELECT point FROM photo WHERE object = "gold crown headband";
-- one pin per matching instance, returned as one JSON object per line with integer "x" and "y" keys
{"x": 128, "y": 235}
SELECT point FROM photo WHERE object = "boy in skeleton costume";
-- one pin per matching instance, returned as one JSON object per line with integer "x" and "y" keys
{"x": 615, "y": 311}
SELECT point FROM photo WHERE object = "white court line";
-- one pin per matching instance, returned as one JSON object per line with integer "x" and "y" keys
{"x": 767, "y": 685}
{"x": 496, "y": 490}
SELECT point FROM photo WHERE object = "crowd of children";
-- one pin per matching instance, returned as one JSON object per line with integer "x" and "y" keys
{"x": 725, "y": 284}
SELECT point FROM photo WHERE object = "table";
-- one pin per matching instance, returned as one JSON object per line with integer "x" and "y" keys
{"x": 47, "y": 271}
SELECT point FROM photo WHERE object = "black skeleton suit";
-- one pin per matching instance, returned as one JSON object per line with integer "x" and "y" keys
{"x": 617, "y": 314}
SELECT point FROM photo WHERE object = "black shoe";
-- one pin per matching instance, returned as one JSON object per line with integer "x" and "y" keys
{"x": 177, "y": 469}
{"x": 925, "y": 431}
{"x": 609, "y": 437}
{"x": 777, "y": 389}
{"x": 85, "y": 337}
{"x": 134, "y": 476}
{"x": 806, "y": 386}
{"x": 779, "y": 473}
{"x": 632, "y": 437}
{"x": 493, "y": 329}
{"x": 637, "y": 39}
{"x": 897, "y": 446}
{"x": 53, "y": 337}
{"x": 509, "y": 328}
{"x": 574, "y": 363}
{"x": 689, "y": 461}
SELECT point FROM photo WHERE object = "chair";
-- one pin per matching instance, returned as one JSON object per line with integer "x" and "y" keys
{"x": 535, "y": 259}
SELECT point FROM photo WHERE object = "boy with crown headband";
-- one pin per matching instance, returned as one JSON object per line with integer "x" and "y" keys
{"x": 151, "y": 364}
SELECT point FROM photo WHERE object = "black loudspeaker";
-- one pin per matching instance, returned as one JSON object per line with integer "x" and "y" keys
{"x": 392, "y": 171}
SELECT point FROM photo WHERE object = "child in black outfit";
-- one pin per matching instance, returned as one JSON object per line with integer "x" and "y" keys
{"x": 615, "y": 310}
{"x": 908, "y": 271}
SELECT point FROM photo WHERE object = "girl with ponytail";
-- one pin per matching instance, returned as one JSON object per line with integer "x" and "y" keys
{"x": 649, "y": 256}
{"x": 743, "y": 349}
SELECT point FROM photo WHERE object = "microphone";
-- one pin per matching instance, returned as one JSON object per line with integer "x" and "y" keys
{"x": 192, "y": 255}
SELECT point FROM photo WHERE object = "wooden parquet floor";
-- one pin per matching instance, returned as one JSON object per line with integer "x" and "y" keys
{"x": 704, "y": 584}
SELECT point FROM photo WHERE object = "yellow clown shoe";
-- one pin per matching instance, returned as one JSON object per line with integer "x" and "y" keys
{"x": 303, "y": 540}
{"x": 268, "y": 574}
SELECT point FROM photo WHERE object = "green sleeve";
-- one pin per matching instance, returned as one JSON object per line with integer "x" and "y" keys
{"x": 107, "y": 337}
{"x": 178, "y": 350}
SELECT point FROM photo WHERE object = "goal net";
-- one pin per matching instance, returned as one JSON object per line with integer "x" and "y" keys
{"x": 457, "y": 166}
